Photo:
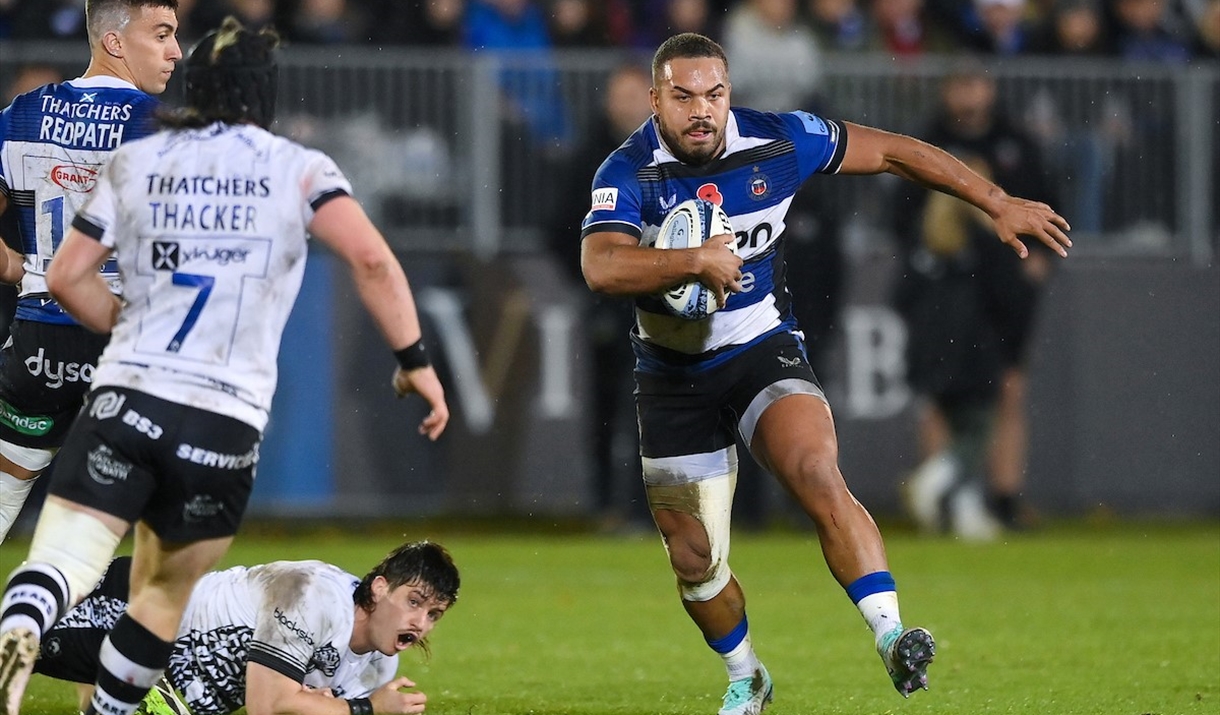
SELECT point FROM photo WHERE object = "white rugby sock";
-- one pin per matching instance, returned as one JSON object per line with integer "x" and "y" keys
{"x": 880, "y": 611}
{"x": 13, "y": 493}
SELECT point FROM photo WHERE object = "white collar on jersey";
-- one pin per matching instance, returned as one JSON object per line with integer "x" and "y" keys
{"x": 731, "y": 135}
{"x": 101, "y": 80}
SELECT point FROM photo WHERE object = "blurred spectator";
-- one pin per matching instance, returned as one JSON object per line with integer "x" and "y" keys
{"x": 840, "y": 25}
{"x": 433, "y": 23}
{"x": 320, "y": 22}
{"x": 970, "y": 303}
{"x": 1003, "y": 29}
{"x": 1206, "y": 22}
{"x": 1143, "y": 33}
{"x": 30, "y": 77}
{"x": 900, "y": 29}
{"x": 529, "y": 83}
{"x": 625, "y": 106}
{"x": 761, "y": 35}
{"x": 48, "y": 20}
{"x": 505, "y": 25}
{"x": 656, "y": 20}
{"x": 1073, "y": 27}
{"x": 254, "y": 14}
{"x": 578, "y": 23}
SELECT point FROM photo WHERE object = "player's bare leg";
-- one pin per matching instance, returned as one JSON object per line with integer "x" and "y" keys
{"x": 713, "y": 598}
{"x": 795, "y": 439}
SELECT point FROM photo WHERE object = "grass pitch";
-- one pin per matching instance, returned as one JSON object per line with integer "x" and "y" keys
{"x": 1087, "y": 620}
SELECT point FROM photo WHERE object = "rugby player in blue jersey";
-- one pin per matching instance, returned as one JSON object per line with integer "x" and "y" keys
{"x": 744, "y": 367}
{"x": 54, "y": 141}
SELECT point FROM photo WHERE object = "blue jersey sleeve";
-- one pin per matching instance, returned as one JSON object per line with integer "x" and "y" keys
{"x": 820, "y": 143}
{"x": 615, "y": 202}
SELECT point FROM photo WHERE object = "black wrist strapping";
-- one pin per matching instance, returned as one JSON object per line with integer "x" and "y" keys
{"x": 360, "y": 706}
{"x": 413, "y": 357}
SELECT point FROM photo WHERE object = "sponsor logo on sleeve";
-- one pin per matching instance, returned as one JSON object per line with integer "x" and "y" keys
{"x": 605, "y": 199}
{"x": 813, "y": 124}
{"x": 325, "y": 659}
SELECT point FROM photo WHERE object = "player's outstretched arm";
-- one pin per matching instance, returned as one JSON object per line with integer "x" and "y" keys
{"x": 873, "y": 151}
{"x": 268, "y": 692}
{"x": 343, "y": 226}
{"x": 616, "y": 264}
{"x": 74, "y": 281}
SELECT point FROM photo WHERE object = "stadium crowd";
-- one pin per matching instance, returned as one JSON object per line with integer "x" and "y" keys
{"x": 1169, "y": 31}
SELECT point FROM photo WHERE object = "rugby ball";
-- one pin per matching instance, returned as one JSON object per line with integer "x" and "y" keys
{"x": 688, "y": 225}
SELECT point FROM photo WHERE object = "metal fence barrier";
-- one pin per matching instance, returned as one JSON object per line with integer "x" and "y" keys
{"x": 454, "y": 151}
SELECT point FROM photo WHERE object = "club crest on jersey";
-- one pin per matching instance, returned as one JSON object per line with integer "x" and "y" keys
{"x": 605, "y": 199}
{"x": 758, "y": 186}
{"x": 80, "y": 179}
{"x": 165, "y": 256}
{"x": 710, "y": 192}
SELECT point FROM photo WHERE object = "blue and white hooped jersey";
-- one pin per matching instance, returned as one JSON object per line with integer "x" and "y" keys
{"x": 53, "y": 143}
{"x": 767, "y": 157}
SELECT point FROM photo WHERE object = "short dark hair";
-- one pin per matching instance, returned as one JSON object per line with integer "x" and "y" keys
{"x": 687, "y": 45}
{"x": 100, "y": 15}
{"x": 231, "y": 77}
{"x": 424, "y": 562}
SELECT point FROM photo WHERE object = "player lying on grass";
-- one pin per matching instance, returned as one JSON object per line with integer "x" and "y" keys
{"x": 275, "y": 638}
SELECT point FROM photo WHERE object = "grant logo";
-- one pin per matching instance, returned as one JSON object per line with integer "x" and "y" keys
{"x": 25, "y": 424}
{"x": 80, "y": 179}
{"x": 104, "y": 467}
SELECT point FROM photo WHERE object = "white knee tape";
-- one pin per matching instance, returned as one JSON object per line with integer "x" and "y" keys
{"x": 35, "y": 459}
{"x": 76, "y": 543}
{"x": 711, "y": 502}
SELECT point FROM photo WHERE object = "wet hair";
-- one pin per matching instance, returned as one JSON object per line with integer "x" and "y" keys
{"x": 102, "y": 16}
{"x": 688, "y": 45}
{"x": 421, "y": 562}
{"x": 231, "y": 77}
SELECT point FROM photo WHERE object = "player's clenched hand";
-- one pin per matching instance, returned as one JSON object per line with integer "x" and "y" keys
{"x": 720, "y": 267}
{"x": 1021, "y": 217}
{"x": 389, "y": 698}
{"x": 424, "y": 381}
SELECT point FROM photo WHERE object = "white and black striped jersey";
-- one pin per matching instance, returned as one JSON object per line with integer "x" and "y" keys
{"x": 766, "y": 159}
{"x": 295, "y": 617}
{"x": 208, "y": 228}
{"x": 54, "y": 141}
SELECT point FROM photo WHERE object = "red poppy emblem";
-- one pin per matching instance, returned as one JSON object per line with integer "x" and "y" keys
{"x": 710, "y": 192}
